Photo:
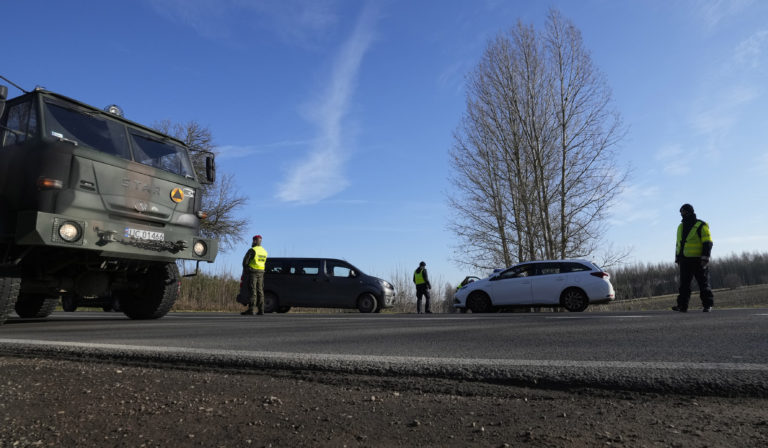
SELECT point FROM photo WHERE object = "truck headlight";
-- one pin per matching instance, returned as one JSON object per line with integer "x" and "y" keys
{"x": 199, "y": 248}
{"x": 69, "y": 232}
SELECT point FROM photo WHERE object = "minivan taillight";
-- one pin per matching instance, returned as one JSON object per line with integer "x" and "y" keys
{"x": 600, "y": 274}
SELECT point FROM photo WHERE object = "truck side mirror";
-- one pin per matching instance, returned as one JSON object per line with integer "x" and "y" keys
{"x": 3, "y": 96}
{"x": 210, "y": 169}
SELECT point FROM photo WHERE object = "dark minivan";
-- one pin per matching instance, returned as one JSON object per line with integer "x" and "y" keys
{"x": 322, "y": 283}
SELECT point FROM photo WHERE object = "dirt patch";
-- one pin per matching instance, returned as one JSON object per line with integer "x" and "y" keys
{"x": 47, "y": 402}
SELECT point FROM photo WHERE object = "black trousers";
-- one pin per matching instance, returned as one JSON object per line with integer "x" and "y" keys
{"x": 421, "y": 290}
{"x": 690, "y": 268}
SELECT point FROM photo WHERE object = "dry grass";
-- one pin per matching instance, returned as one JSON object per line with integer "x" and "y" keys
{"x": 743, "y": 297}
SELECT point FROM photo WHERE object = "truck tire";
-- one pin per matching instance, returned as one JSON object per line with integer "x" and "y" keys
{"x": 30, "y": 306}
{"x": 9, "y": 293}
{"x": 156, "y": 295}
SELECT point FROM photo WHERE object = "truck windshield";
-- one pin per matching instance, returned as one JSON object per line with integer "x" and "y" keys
{"x": 109, "y": 136}
{"x": 87, "y": 130}
{"x": 166, "y": 156}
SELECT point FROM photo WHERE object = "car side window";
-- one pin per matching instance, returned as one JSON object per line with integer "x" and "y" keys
{"x": 549, "y": 268}
{"x": 306, "y": 267}
{"x": 519, "y": 272}
{"x": 573, "y": 267}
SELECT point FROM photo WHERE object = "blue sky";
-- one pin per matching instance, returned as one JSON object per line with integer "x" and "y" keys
{"x": 336, "y": 117}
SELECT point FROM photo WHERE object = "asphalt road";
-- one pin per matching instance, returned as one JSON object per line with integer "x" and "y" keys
{"x": 723, "y": 353}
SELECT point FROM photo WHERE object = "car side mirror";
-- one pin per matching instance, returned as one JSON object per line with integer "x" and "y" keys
{"x": 210, "y": 169}
{"x": 3, "y": 97}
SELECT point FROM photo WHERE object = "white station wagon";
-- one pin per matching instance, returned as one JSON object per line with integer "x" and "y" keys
{"x": 572, "y": 284}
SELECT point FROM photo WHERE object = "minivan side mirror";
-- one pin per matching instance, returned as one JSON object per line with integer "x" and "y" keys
{"x": 3, "y": 97}
{"x": 210, "y": 169}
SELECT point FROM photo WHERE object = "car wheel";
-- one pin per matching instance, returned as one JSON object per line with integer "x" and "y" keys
{"x": 270, "y": 303}
{"x": 574, "y": 300}
{"x": 366, "y": 303}
{"x": 479, "y": 302}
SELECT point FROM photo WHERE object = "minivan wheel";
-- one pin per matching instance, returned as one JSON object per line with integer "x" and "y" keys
{"x": 479, "y": 302}
{"x": 270, "y": 303}
{"x": 366, "y": 303}
{"x": 574, "y": 300}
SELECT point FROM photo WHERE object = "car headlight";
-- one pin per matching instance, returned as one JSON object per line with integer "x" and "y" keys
{"x": 69, "y": 232}
{"x": 386, "y": 285}
{"x": 199, "y": 248}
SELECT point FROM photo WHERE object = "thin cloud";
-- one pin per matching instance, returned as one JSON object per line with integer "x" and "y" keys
{"x": 237, "y": 151}
{"x": 322, "y": 175}
{"x": 295, "y": 22}
{"x": 712, "y": 12}
{"x": 674, "y": 161}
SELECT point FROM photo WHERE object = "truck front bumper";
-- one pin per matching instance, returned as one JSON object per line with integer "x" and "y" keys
{"x": 113, "y": 239}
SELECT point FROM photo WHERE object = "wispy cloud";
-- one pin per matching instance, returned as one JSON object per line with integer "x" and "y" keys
{"x": 637, "y": 202}
{"x": 296, "y": 22}
{"x": 322, "y": 174}
{"x": 712, "y": 12}
{"x": 237, "y": 151}
{"x": 728, "y": 92}
{"x": 673, "y": 160}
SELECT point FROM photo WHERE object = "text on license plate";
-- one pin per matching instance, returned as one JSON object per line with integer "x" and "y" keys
{"x": 144, "y": 234}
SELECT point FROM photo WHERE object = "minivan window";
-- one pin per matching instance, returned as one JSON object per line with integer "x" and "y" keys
{"x": 339, "y": 270}
{"x": 308, "y": 267}
{"x": 274, "y": 267}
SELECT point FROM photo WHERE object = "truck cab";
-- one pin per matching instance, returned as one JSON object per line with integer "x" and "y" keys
{"x": 93, "y": 207}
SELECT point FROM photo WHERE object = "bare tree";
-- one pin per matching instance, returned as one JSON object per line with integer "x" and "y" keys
{"x": 220, "y": 200}
{"x": 532, "y": 159}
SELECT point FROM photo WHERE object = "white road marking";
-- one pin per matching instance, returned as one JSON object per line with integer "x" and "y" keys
{"x": 313, "y": 358}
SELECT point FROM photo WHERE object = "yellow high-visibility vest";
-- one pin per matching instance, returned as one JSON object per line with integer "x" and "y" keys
{"x": 418, "y": 277}
{"x": 259, "y": 258}
{"x": 695, "y": 240}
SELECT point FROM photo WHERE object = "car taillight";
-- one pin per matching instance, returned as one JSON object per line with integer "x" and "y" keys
{"x": 600, "y": 274}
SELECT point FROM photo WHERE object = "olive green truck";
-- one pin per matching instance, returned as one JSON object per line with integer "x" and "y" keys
{"x": 95, "y": 209}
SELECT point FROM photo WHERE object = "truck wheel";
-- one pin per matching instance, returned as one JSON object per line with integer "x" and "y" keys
{"x": 156, "y": 294}
{"x": 35, "y": 305}
{"x": 366, "y": 303}
{"x": 9, "y": 293}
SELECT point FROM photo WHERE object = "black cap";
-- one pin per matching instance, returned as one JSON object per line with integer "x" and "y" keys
{"x": 687, "y": 207}
{"x": 422, "y": 264}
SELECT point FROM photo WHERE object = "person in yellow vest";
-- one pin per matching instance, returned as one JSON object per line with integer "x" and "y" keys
{"x": 253, "y": 263}
{"x": 423, "y": 286}
{"x": 694, "y": 247}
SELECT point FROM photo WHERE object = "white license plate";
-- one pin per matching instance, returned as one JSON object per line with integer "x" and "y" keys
{"x": 144, "y": 234}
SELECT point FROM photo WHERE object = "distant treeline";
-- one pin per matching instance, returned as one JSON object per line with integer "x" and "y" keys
{"x": 648, "y": 280}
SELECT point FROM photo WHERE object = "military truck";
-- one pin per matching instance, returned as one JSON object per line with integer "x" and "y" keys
{"x": 94, "y": 209}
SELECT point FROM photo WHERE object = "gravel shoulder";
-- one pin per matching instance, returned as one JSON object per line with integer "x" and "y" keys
{"x": 48, "y": 402}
